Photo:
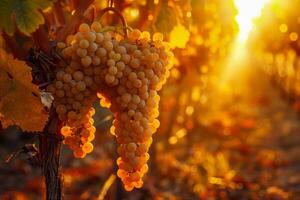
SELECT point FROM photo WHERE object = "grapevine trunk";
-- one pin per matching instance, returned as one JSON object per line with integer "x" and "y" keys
{"x": 50, "y": 147}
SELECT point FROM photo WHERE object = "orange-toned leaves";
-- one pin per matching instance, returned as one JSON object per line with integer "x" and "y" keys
{"x": 20, "y": 102}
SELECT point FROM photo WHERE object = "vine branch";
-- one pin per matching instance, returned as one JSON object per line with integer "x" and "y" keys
{"x": 74, "y": 21}
{"x": 14, "y": 47}
{"x": 50, "y": 148}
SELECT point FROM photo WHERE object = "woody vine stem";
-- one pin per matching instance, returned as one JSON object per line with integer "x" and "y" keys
{"x": 50, "y": 147}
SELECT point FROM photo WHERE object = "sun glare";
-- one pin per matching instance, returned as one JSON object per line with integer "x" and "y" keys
{"x": 247, "y": 11}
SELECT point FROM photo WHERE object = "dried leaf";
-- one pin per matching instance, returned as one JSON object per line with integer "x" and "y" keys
{"x": 20, "y": 102}
{"x": 47, "y": 99}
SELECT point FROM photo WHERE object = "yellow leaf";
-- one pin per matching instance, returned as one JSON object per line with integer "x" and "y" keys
{"x": 179, "y": 36}
{"x": 20, "y": 102}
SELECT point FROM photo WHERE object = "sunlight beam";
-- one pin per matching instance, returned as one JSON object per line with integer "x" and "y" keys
{"x": 247, "y": 11}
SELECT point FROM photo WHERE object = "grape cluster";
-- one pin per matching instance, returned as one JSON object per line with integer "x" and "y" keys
{"x": 125, "y": 74}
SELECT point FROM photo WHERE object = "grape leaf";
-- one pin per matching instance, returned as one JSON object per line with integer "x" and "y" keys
{"x": 6, "y": 17}
{"x": 24, "y": 14}
{"x": 43, "y": 4}
{"x": 20, "y": 102}
{"x": 166, "y": 19}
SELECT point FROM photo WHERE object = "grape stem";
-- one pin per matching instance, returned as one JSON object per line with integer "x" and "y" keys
{"x": 119, "y": 14}
{"x": 40, "y": 39}
{"x": 116, "y": 29}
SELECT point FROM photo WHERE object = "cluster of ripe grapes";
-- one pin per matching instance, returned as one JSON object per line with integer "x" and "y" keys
{"x": 126, "y": 74}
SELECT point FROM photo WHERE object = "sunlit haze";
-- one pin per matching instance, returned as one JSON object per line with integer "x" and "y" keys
{"x": 247, "y": 11}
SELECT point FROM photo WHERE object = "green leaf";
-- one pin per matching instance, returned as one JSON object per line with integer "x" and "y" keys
{"x": 24, "y": 14}
{"x": 43, "y": 4}
{"x": 6, "y": 17}
{"x": 28, "y": 18}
